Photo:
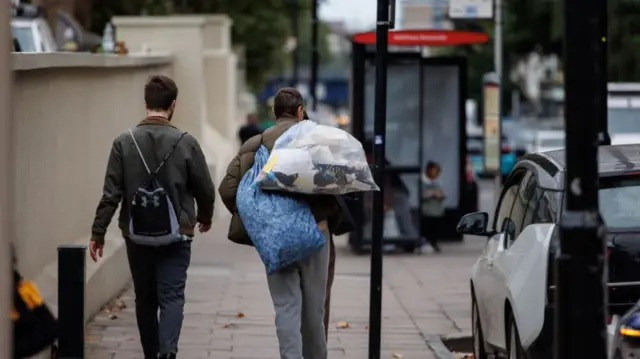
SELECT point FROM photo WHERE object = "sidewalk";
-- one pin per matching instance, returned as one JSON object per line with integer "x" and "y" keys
{"x": 229, "y": 312}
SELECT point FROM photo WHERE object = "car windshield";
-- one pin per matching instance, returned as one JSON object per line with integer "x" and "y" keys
{"x": 24, "y": 36}
{"x": 619, "y": 199}
{"x": 552, "y": 142}
{"x": 624, "y": 120}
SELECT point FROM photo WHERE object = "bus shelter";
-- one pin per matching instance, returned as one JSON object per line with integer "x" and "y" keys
{"x": 426, "y": 121}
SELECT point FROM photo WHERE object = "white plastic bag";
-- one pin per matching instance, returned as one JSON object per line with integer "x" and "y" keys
{"x": 317, "y": 159}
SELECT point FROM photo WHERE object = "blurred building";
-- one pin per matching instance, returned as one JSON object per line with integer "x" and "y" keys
{"x": 339, "y": 40}
{"x": 424, "y": 14}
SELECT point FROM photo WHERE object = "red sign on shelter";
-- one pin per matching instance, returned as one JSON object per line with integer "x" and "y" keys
{"x": 425, "y": 38}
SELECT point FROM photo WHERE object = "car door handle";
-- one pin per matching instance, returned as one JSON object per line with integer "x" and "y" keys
{"x": 490, "y": 264}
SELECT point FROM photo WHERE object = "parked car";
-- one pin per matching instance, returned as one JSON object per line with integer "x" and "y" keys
{"x": 626, "y": 338}
{"x": 475, "y": 149}
{"x": 32, "y": 35}
{"x": 547, "y": 140}
{"x": 512, "y": 282}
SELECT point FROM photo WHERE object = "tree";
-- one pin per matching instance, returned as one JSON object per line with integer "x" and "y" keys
{"x": 262, "y": 27}
{"x": 624, "y": 40}
{"x": 538, "y": 25}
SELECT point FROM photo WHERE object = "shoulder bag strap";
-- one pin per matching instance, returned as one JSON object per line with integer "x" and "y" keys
{"x": 169, "y": 154}
{"x": 139, "y": 152}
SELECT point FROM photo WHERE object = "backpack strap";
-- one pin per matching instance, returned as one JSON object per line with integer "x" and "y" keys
{"x": 169, "y": 154}
{"x": 146, "y": 166}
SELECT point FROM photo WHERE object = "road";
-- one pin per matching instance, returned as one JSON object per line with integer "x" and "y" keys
{"x": 229, "y": 312}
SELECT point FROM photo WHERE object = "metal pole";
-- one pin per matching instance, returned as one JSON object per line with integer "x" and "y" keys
{"x": 497, "y": 64}
{"x": 603, "y": 135}
{"x": 581, "y": 297}
{"x": 6, "y": 158}
{"x": 295, "y": 24}
{"x": 315, "y": 54}
{"x": 380, "y": 130}
{"x": 71, "y": 294}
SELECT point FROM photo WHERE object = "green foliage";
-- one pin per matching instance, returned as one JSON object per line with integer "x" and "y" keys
{"x": 539, "y": 24}
{"x": 624, "y": 40}
{"x": 262, "y": 27}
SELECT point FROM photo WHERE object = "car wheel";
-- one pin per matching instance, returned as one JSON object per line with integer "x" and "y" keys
{"x": 514, "y": 347}
{"x": 479, "y": 351}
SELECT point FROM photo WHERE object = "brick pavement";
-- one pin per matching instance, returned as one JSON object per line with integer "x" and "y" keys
{"x": 422, "y": 295}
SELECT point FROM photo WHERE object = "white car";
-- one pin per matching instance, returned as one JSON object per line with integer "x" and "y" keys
{"x": 547, "y": 140}
{"x": 512, "y": 282}
{"x": 33, "y": 35}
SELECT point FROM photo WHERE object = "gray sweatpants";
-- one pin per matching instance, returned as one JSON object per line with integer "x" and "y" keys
{"x": 298, "y": 298}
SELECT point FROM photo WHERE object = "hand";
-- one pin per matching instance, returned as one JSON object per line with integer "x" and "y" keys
{"x": 95, "y": 250}
{"x": 204, "y": 228}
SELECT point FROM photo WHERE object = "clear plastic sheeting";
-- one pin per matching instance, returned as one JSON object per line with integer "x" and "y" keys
{"x": 316, "y": 159}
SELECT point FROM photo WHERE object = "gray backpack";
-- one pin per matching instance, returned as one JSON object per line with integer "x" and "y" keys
{"x": 154, "y": 220}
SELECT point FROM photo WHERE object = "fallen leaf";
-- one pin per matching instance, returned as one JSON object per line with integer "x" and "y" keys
{"x": 397, "y": 356}
{"x": 342, "y": 325}
{"x": 113, "y": 316}
{"x": 229, "y": 325}
{"x": 240, "y": 315}
{"x": 120, "y": 304}
{"x": 92, "y": 338}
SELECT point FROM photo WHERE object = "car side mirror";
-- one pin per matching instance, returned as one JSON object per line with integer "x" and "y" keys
{"x": 474, "y": 224}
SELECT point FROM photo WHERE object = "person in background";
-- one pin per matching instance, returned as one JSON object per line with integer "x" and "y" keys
{"x": 432, "y": 201}
{"x": 397, "y": 199}
{"x": 250, "y": 129}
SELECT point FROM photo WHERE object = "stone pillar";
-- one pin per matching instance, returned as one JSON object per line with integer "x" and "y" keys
{"x": 183, "y": 37}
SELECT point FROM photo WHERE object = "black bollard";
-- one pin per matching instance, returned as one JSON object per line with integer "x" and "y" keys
{"x": 71, "y": 291}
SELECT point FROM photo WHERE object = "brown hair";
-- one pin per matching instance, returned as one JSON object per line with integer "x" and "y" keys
{"x": 160, "y": 92}
{"x": 286, "y": 102}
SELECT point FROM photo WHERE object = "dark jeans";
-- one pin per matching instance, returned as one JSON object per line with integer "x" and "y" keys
{"x": 431, "y": 228}
{"x": 159, "y": 280}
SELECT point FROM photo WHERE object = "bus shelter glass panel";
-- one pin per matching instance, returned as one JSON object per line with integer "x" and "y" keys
{"x": 441, "y": 128}
{"x": 402, "y": 148}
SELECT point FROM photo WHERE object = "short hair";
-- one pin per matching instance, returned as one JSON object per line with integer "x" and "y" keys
{"x": 160, "y": 92}
{"x": 287, "y": 101}
{"x": 432, "y": 165}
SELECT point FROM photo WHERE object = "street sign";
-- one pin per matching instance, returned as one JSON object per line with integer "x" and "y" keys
{"x": 425, "y": 38}
{"x": 492, "y": 143}
{"x": 470, "y": 9}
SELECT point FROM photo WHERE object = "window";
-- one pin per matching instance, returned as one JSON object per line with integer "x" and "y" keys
{"x": 507, "y": 198}
{"x": 536, "y": 193}
{"x": 544, "y": 211}
{"x": 619, "y": 198}
{"x": 24, "y": 37}
{"x": 519, "y": 210}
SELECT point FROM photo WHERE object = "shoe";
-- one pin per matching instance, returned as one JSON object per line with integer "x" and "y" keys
{"x": 168, "y": 356}
{"x": 435, "y": 247}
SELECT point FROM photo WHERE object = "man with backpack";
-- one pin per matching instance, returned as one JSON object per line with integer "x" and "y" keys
{"x": 297, "y": 291}
{"x": 158, "y": 174}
